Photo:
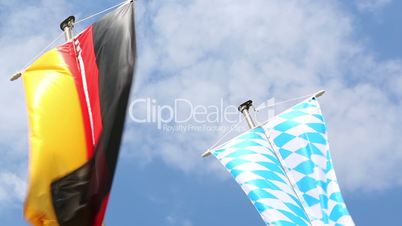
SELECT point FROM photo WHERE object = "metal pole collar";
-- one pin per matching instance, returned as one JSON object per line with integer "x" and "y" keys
{"x": 69, "y": 22}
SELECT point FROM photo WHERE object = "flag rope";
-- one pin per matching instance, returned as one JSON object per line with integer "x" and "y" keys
{"x": 263, "y": 106}
{"x": 208, "y": 152}
{"x": 103, "y": 11}
{"x": 43, "y": 50}
{"x": 18, "y": 74}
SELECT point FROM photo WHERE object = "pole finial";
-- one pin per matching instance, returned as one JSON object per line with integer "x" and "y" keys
{"x": 68, "y": 22}
{"x": 244, "y": 109}
{"x": 207, "y": 153}
{"x": 245, "y": 106}
{"x": 319, "y": 93}
{"x": 16, "y": 76}
{"x": 67, "y": 26}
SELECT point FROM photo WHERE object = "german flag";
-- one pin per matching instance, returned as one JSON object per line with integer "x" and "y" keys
{"x": 76, "y": 97}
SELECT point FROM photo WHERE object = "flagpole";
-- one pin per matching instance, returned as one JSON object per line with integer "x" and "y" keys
{"x": 67, "y": 26}
{"x": 244, "y": 109}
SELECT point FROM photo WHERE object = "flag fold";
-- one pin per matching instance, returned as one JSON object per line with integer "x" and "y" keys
{"x": 286, "y": 170}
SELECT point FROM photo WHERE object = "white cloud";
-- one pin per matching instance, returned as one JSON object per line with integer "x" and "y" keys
{"x": 24, "y": 31}
{"x": 175, "y": 221}
{"x": 372, "y": 5}
{"x": 206, "y": 51}
{"x": 12, "y": 188}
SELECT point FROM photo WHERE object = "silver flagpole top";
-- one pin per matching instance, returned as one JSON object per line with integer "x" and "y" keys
{"x": 244, "y": 109}
{"x": 67, "y": 26}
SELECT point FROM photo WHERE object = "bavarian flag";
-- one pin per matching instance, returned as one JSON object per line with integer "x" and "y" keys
{"x": 76, "y": 96}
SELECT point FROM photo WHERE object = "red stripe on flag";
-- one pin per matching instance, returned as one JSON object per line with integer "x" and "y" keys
{"x": 80, "y": 56}
{"x": 101, "y": 214}
{"x": 92, "y": 78}
{"x": 69, "y": 56}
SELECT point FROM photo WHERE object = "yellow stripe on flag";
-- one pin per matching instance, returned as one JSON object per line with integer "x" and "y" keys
{"x": 57, "y": 137}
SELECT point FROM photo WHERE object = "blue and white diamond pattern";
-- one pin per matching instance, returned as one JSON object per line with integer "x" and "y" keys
{"x": 254, "y": 165}
{"x": 299, "y": 138}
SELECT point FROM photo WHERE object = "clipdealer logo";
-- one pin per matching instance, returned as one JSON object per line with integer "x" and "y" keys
{"x": 182, "y": 115}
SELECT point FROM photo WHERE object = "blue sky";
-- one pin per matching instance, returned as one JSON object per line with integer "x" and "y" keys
{"x": 208, "y": 51}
